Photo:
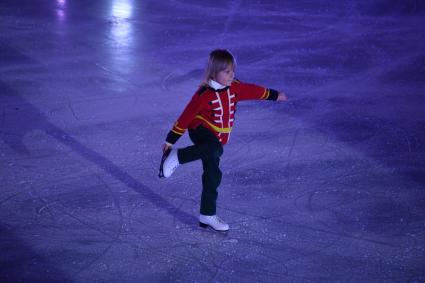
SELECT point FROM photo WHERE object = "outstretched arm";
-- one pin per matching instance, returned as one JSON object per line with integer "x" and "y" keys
{"x": 255, "y": 92}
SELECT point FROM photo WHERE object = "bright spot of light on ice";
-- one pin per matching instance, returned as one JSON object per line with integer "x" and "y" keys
{"x": 61, "y": 3}
{"x": 122, "y": 9}
{"x": 121, "y": 12}
{"x": 60, "y": 11}
{"x": 60, "y": 14}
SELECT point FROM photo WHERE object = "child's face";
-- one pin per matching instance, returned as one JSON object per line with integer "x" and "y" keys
{"x": 226, "y": 76}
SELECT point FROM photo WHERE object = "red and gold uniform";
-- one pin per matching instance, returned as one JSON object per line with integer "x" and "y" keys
{"x": 215, "y": 109}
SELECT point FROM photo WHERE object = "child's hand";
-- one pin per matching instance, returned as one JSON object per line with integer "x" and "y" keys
{"x": 281, "y": 97}
{"x": 166, "y": 147}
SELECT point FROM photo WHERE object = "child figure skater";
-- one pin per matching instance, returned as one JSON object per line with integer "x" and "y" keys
{"x": 209, "y": 116}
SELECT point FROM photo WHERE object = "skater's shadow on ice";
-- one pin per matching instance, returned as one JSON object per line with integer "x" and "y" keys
{"x": 32, "y": 119}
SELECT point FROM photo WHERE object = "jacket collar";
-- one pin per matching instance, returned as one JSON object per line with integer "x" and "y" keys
{"x": 216, "y": 85}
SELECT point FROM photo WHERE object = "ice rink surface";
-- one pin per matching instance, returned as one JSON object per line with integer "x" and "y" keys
{"x": 329, "y": 186}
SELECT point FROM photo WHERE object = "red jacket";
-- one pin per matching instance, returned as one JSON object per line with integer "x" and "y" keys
{"x": 215, "y": 109}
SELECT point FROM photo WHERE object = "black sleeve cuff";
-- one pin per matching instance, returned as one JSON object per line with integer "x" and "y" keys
{"x": 172, "y": 137}
{"x": 273, "y": 94}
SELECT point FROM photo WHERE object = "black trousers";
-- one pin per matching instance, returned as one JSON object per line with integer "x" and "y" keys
{"x": 209, "y": 149}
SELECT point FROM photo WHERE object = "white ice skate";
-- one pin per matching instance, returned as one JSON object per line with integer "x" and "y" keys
{"x": 214, "y": 222}
{"x": 169, "y": 164}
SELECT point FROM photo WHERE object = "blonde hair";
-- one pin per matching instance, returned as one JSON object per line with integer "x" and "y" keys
{"x": 218, "y": 61}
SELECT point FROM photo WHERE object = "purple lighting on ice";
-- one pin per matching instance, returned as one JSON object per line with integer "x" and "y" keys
{"x": 314, "y": 189}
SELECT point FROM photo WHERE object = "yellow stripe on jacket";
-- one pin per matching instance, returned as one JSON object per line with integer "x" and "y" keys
{"x": 217, "y": 129}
